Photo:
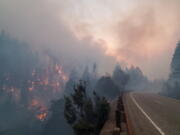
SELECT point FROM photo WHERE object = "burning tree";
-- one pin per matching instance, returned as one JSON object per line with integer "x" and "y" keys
{"x": 27, "y": 84}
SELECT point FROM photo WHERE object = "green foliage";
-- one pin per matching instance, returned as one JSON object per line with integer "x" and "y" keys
{"x": 175, "y": 64}
{"x": 172, "y": 86}
{"x": 86, "y": 115}
{"x": 89, "y": 110}
{"x": 83, "y": 127}
{"x": 79, "y": 95}
{"x": 69, "y": 113}
{"x": 120, "y": 77}
{"x": 102, "y": 112}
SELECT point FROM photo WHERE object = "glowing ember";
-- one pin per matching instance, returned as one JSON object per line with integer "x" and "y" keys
{"x": 41, "y": 116}
{"x": 35, "y": 103}
{"x": 41, "y": 110}
{"x": 30, "y": 89}
{"x": 43, "y": 84}
{"x": 65, "y": 78}
{"x": 61, "y": 73}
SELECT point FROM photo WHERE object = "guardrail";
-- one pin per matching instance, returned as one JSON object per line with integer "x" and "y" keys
{"x": 118, "y": 122}
{"x": 128, "y": 121}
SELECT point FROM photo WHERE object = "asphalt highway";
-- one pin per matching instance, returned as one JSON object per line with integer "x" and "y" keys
{"x": 151, "y": 114}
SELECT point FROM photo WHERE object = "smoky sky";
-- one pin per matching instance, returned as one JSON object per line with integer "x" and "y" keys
{"x": 39, "y": 23}
{"x": 132, "y": 32}
{"x": 148, "y": 35}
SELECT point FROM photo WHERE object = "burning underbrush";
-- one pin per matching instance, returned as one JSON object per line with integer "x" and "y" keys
{"x": 37, "y": 90}
{"x": 29, "y": 80}
{"x": 32, "y": 84}
{"x": 40, "y": 109}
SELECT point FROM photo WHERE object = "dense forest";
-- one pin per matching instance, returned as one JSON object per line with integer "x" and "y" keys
{"x": 38, "y": 96}
{"x": 27, "y": 85}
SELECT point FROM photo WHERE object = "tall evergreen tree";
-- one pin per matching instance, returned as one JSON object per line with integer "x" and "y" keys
{"x": 86, "y": 115}
{"x": 120, "y": 77}
{"x": 175, "y": 64}
{"x": 172, "y": 86}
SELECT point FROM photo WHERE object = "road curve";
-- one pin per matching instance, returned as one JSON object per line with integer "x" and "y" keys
{"x": 151, "y": 114}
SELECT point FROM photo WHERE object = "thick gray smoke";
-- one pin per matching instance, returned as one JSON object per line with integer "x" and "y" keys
{"x": 44, "y": 25}
{"x": 39, "y": 24}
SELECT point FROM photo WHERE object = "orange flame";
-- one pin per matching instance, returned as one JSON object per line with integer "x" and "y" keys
{"x": 41, "y": 116}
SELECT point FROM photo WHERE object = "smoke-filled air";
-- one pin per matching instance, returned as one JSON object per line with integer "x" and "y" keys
{"x": 63, "y": 64}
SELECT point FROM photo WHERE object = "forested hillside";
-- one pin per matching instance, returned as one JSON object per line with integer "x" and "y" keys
{"x": 172, "y": 86}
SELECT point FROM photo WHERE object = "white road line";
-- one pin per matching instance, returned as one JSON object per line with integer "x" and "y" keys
{"x": 145, "y": 114}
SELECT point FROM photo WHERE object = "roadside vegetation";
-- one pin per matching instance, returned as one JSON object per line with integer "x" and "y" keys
{"x": 85, "y": 114}
{"x": 172, "y": 85}
{"x": 34, "y": 82}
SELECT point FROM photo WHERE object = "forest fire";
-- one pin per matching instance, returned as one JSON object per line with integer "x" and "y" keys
{"x": 60, "y": 72}
{"x": 63, "y": 65}
{"x": 41, "y": 110}
{"x": 45, "y": 85}
{"x": 35, "y": 103}
{"x": 52, "y": 77}
{"x": 40, "y": 86}
{"x": 30, "y": 89}
{"x": 41, "y": 116}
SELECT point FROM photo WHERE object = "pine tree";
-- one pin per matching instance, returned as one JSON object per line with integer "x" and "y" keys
{"x": 120, "y": 77}
{"x": 86, "y": 115}
{"x": 175, "y": 64}
{"x": 172, "y": 86}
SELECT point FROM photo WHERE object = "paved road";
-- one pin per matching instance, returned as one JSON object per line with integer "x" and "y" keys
{"x": 151, "y": 114}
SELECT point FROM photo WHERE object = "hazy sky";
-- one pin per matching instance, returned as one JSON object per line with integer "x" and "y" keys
{"x": 132, "y": 32}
